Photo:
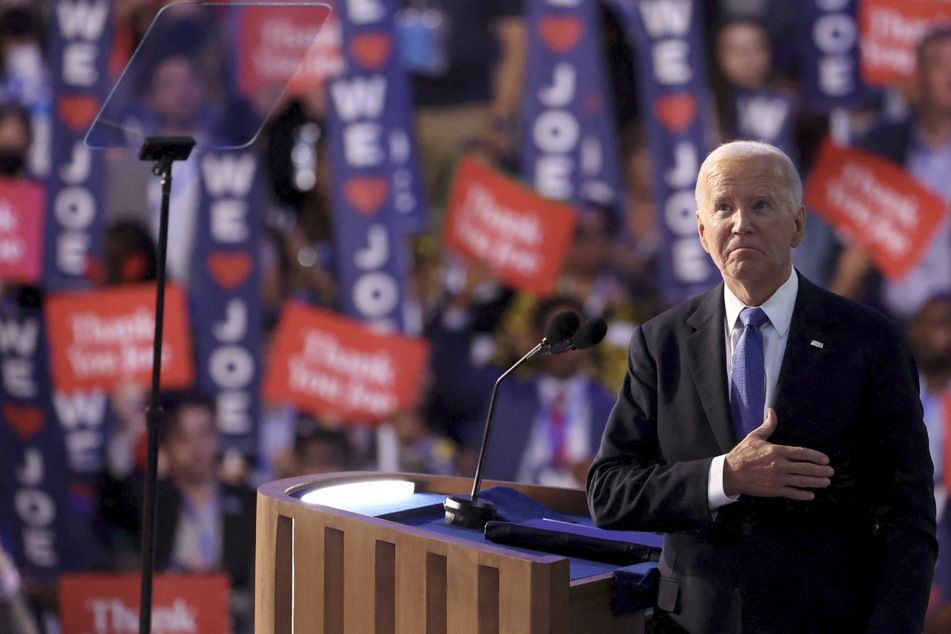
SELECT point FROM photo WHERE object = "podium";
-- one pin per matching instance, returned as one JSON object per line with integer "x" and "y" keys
{"x": 323, "y": 570}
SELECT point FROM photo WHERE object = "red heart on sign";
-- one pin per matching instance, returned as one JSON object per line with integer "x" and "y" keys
{"x": 229, "y": 269}
{"x": 676, "y": 112}
{"x": 366, "y": 193}
{"x": 371, "y": 49}
{"x": 77, "y": 111}
{"x": 25, "y": 420}
{"x": 560, "y": 32}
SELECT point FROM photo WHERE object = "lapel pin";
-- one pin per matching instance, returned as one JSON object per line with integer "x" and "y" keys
{"x": 817, "y": 344}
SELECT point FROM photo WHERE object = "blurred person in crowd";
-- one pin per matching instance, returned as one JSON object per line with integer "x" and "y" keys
{"x": 467, "y": 62}
{"x": 131, "y": 20}
{"x": 129, "y": 257}
{"x": 422, "y": 450}
{"x": 418, "y": 448}
{"x": 24, "y": 74}
{"x": 302, "y": 220}
{"x": 202, "y": 524}
{"x": 16, "y": 139}
{"x": 635, "y": 258}
{"x": 15, "y": 614}
{"x": 779, "y": 18}
{"x": 589, "y": 276}
{"x": 129, "y": 254}
{"x": 317, "y": 448}
{"x": 742, "y": 61}
{"x": 25, "y": 77}
{"x": 462, "y": 343}
{"x": 321, "y": 449}
{"x": 929, "y": 334}
{"x": 547, "y": 425}
{"x": 922, "y": 145}
{"x": 587, "y": 273}
{"x": 175, "y": 101}
{"x": 276, "y": 432}
{"x": 178, "y": 86}
{"x": 743, "y": 74}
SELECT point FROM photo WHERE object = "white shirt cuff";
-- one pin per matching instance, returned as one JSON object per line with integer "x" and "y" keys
{"x": 716, "y": 496}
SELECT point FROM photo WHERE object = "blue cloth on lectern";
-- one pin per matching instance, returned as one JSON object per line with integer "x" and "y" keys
{"x": 518, "y": 507}
{"x": 635, "y": 588}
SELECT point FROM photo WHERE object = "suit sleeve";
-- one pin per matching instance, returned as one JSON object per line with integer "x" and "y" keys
{"x": 903, "y": 506}
{"x": 636, "y": 481}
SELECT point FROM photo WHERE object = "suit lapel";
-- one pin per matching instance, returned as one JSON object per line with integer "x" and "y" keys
{"x": 704, "y": 344}
{"x": 809, "y": 319}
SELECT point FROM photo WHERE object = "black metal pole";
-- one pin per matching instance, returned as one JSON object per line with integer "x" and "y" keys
{"x": 154, "y": 412}
{"x": 164, "y": 151}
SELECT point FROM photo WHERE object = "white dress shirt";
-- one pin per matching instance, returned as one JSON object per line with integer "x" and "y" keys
{"x": 779, "y": 309}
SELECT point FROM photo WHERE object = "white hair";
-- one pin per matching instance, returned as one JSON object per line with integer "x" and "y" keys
{"x": 782, "y": 166}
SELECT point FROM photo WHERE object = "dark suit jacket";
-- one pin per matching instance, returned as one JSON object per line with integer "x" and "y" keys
{"x": 859, "y": 557}
{"x": 238, "y": 522}
{"x": 122, "y": 512}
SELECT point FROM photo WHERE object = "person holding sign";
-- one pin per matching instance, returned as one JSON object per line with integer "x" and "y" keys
{"x": 773, "y": 432}
{"x": 922, "y": 145}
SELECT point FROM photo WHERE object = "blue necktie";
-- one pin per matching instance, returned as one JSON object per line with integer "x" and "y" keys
{"x": 748, "y": 383}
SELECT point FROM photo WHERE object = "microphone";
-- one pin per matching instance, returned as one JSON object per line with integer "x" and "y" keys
{"x": 559, "y": 337}
{"x": 561, "y": 329}
{"x": 590, "y": 334}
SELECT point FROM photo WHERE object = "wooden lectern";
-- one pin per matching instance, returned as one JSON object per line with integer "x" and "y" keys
{"x": 324, "y": 570}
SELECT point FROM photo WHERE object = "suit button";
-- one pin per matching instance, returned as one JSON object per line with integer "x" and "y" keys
{"x": 746, "y": 528}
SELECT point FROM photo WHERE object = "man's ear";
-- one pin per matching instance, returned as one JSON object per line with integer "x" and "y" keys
{"x": 700, "y": 230}
{"x": 800, "y": 221}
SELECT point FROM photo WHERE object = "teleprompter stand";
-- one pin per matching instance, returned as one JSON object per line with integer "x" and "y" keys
{"x": 164, "y": 151}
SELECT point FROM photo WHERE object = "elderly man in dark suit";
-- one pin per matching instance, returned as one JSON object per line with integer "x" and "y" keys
{"x": 773, "y": 432}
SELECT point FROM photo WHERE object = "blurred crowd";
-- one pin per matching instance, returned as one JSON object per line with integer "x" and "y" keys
{"x": 551, "y": 415}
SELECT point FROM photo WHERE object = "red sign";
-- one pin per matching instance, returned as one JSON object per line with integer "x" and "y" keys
{"x": 109, "y": 603}
{"x": 875, "y": 203}
{"x": 889, "y": 34}
{"x": 334, "y": 366}
{"x": 521, "y": 236}
{"x": 21, "y": 231}
{"x": 104, "y": 338}
{"x": 285, "y": 43}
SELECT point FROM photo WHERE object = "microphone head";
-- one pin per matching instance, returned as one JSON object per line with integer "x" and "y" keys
{"x": 562, "y": 326}
{"x": 590, "y": 334}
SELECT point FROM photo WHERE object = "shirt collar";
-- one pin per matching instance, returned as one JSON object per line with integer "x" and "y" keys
{"x": 549, "y": 386}
{"x": 778, "y": 307}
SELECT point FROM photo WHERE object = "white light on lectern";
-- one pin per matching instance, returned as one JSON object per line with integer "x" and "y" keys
{"x": 343, "y": 496}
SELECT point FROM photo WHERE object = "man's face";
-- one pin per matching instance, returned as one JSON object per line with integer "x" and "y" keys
{"x": 930, "y": 337}
{"x": 747, "y": 223}
{"x": 744, "y": 55}
{"x": 589, "y": 249}
{"x": 177, "y": 93}
{"x": 934, "y": 76}
{"x": 192, "y": 447}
